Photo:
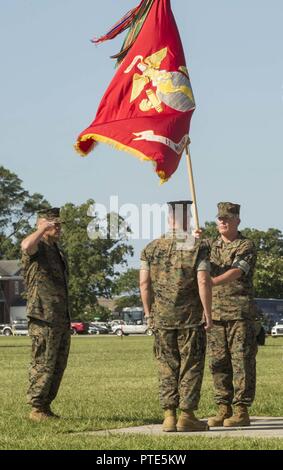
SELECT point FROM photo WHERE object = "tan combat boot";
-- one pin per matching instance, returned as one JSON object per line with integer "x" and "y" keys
{"x": 38, "y": 414}
{"x": 224, "y": 412}
{"x": 239, "y": 418}
{"x": 187, "y": 422}
{"x": 170, "y": 420}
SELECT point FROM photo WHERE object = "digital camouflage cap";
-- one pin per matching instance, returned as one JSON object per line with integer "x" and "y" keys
{"x": 50, "y": 214}
{"x": 228, "y": 209}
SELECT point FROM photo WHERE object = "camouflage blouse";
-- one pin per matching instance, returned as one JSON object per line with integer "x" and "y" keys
{"x": 233, "y": 301}
{"x": 173, "y": 273}
{"x": 45, "y": 274}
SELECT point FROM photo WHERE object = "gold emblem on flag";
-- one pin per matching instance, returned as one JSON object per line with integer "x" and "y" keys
{"x": 172, "y": 88}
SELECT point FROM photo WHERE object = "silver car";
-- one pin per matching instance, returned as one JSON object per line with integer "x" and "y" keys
{"x": 131, "y": 328}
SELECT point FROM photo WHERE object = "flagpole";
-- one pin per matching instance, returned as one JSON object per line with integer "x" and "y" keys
{"x": 192, "y": 186}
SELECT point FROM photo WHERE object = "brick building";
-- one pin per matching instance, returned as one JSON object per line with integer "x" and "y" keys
{"x": 12, "y": 304}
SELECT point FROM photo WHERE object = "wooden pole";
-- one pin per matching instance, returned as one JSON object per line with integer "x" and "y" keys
{"x": 192, "y": 186}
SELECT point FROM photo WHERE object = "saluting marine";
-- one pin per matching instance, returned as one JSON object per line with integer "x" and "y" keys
{"x": 46, "y": 276}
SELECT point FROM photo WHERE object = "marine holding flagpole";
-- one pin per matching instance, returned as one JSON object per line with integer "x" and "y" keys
{"x": 176, "y": 293}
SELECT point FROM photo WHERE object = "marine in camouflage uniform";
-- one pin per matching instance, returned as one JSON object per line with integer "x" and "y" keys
{"x": 174, "y": 309}
{"x": 232, "y": 340}
{"x": 45, "y": 272}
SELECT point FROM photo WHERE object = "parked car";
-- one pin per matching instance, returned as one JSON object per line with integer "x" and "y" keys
{"x": 16, "y": 328}
{"x": 79, "y": 328}
{"x": 95, "y": 329}
{"x": 271, "y": 312}
{"x": 119, "y": 321}
{"x": 103, "y": 324}
{"x": 115, "y": 323}
{"x": 131, "y": 328}
{"x": 20, "y": 328}
{"x": 277, "y": 330}
{"x": 6, "y": 330}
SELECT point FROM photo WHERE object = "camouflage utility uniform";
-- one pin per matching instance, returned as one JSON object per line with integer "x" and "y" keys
{"x": 232, "y": 341}
{"x": 176, "y": 313}
{"x": 45, "y": 275}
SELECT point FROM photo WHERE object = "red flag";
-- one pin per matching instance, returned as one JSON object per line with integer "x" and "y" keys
{"x": 147, "y": 107}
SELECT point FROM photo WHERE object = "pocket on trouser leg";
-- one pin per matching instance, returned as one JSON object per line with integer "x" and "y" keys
{"x": 157, "y": 345}
{"x": 200, "y": 343}
{"x": 39, "y": 337}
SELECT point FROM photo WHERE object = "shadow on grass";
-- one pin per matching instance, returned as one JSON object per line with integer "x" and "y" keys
{"x": 124, "y": 422}
{"x": 119, "y": 419}
{"x": 145, "y": 421}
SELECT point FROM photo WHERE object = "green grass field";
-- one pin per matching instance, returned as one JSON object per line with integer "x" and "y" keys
{"x": 111, "y": 382}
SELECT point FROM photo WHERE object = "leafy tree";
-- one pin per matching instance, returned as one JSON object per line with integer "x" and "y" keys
{"x": 17, "y": 211}
{"x": 210, "y": 230}
{"x": 128, "y": 285}
{"x": 268, "y": 279}
{"x": 128, "y": 282}
{"x": 8, "y": 248}
{"x": 12, "y": 196}
{"x": 269, "y": 242}
{"x": 92, "y": 313}
{"x": 93, "y": 263}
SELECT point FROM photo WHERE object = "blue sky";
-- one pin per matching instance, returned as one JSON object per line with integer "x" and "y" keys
{"x": 53, "y": 77}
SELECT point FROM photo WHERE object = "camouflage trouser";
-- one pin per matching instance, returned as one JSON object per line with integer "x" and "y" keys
{"x": 232, "y": 350}
{"x": 50, "y": 350}
{"x": 180, "y": 357}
